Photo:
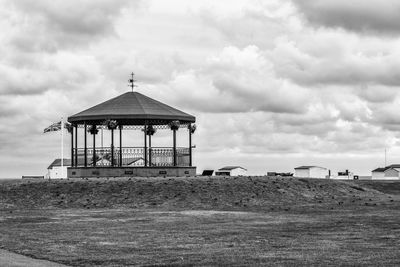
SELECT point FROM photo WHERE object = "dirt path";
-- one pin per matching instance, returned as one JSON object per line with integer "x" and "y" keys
{"x": 9, "y": 259}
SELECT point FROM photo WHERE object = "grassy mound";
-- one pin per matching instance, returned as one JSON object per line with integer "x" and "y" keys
{"x": 201, "y": 221}
{"x": 228, "y": 193}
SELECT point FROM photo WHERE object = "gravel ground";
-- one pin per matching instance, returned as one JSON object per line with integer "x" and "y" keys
{"x": 10, "y": 259}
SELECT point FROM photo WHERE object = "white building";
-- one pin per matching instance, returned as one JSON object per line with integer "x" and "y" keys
{"x": 378, "y": 174}
{"x": 346, "y": 175}
{"x": 311, "y": 172}
{"x": 54, "y": 170}
{"x": 232, "y": 171}
{"x": 387, "y": 173}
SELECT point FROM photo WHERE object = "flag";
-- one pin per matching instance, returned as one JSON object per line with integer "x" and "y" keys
{"x": 54, "y": 127}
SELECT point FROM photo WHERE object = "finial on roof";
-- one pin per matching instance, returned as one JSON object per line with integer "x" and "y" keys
{"x": 132, "y": 81}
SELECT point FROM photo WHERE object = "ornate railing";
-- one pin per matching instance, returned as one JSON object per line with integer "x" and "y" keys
{"x": 133, "y": 156}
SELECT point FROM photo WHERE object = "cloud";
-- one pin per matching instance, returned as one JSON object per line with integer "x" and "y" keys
{"x": 378, "y": 94}
{"x": 254, "y": 23}
{"x": 312, "y": 62}
{"x": 310, "y": 56}
{"x": 44, "y": 72}
{"x": 370, "y": 17}
{"x": 49, "y": 25}
{"x": 236, "y": 80}
{"x": 386, "y": 115}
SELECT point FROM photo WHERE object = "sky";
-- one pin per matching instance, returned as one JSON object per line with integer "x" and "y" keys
{"x": 273, "y": 84}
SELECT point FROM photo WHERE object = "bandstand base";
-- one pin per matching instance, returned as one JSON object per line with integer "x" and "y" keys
{"x": 83, "y": 172}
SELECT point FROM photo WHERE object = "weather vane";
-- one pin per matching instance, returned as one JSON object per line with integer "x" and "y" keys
{"x": 132, "y": 81}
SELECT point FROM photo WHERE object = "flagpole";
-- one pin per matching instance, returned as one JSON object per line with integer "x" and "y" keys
{"x": 62, "y": 147}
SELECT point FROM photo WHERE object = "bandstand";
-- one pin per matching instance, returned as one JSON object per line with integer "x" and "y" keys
{"x": 131, "y": 111}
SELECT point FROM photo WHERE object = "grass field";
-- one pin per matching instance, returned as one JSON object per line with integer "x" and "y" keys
{"x": 203, "y": 221}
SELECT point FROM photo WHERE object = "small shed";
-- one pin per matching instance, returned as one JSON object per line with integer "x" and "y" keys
{"x": 311, "y": 172}
{"x": 346, "y": 175}
{"x": 386, "y": 173}
{"x": 378, "y": 173}
{"x": 54, "y": 171}
{"x": 232, "y": 171}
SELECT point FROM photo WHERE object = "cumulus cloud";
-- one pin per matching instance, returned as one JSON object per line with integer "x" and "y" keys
{"x": 370, "y": 17}
{"x": 322, "y": 58}
{"x": 44, "y": 72}
{"x": 48, "y": 25}
{"x": 237, "y": 80}
{"x": 254, "y": 23}
{"x": 379, "y": 94}
{"x": 386, "y": 115}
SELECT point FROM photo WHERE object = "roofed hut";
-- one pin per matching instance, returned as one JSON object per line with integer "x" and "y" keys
{"x": 232, "y": 171}
{"x": 311, "y": 172}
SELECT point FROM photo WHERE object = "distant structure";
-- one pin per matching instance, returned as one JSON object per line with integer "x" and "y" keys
{"x": 391, "y": 172}
{"x": 378, "y": 173}
{"x": 281, "y": 174}
{"x": 311, "y": 172}
{"x": 207, "y": 173}
{"x": 232, "y": 171}
{"x": 32, "y": 177}
{"x": 54, "y": 171}
{"x": 131, "y": 111}
{"x": 346, "y": 175}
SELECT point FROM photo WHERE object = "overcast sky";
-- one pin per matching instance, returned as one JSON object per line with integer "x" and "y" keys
{"x": 274, "y": 84}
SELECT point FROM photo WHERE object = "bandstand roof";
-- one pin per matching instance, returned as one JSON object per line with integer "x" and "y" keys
{"x": 132, "y": 108}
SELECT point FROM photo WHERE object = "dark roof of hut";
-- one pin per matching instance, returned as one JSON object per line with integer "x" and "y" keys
{"x": 308, "y": 167}
{"x": 229, "y": 168}
{"x": 57, "y": 163}
{"x": 393, "y": 166}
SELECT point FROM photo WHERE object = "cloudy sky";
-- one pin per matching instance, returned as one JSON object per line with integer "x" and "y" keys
{"x": 274, "y": 84}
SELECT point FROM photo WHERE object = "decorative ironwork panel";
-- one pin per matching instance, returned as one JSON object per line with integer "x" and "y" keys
{"x": 134, "y": 156}
{"x": 156, "y": 125}
{"x": 161, "y": 156}
{"x": 182, "y": 156}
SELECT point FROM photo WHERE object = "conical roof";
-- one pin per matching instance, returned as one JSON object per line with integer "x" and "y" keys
{"x": 132, "y": 108}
